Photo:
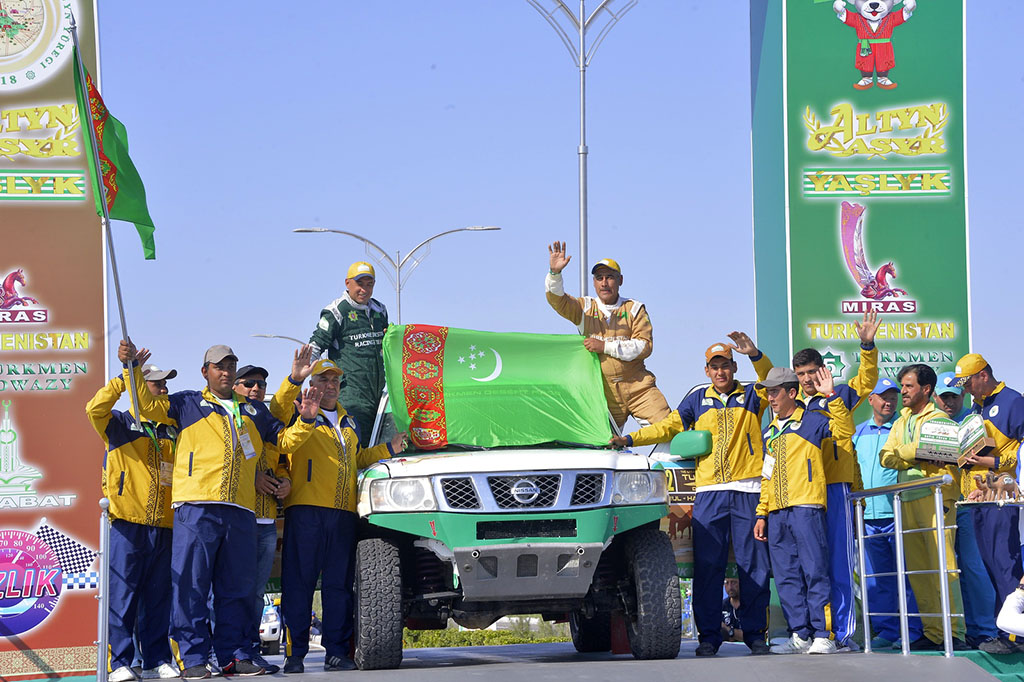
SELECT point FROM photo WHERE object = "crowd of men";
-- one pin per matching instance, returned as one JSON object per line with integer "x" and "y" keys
{"x": 778, "y": 496}
{"x": 195, "y": 489}
{"x": 195, "y": 486}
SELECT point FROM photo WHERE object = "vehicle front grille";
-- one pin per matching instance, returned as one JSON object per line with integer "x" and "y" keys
{"x": 501, "y": 488}
{"x": 460, "y": 493}
{"x": 589, "y": 489}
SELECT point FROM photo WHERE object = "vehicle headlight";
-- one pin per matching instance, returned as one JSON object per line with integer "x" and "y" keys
{"x": 639, "y": 487}
{"x": 401, "y": 494}
{"x": 269, "y": 617}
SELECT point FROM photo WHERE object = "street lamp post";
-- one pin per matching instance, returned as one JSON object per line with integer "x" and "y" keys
{"x": 398, "y": 261}
{"x": 581, "y": 55}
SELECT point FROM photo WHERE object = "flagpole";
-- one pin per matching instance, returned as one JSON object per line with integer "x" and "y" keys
{"x": 87, "y": 116}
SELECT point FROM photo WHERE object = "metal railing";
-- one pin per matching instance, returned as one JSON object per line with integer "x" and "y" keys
{"x": 901, "y": 572}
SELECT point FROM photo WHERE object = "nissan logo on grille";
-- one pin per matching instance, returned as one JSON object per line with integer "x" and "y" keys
{"x": 525, "y": 491}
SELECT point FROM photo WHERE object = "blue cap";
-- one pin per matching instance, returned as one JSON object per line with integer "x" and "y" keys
{"x": 947, "y": 383}
{"x": 884, "y": 384}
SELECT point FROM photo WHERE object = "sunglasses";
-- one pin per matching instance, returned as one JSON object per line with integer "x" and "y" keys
{"x": 249, "y": 383}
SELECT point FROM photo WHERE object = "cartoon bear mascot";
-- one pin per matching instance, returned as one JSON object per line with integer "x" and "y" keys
{"x": 874, "y": 22}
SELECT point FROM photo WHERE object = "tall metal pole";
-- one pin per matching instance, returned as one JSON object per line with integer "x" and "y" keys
{"x": 398, "y": 285}
{"x": 103, "y": 593}
{"x": 577, "y": 46}
{"x": 86, "y": 117}
{"x": 582, "y": 151}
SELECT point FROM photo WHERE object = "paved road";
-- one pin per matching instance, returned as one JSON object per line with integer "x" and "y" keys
{"x": 539, "y": 662}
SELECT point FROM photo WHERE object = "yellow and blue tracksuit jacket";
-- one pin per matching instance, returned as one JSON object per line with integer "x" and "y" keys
{"x": 900, "y": 453}
{"x": 840, "y": 459}
{"x": 137, "y": 464}
{"x": 323, "y": 469}
{"x": 210, "y": 464}
{"x": 266, "y": 505}
{"x": 1003, "y": 412}
{"x": 735, "y": 427}
{"x": 798, "y": 476}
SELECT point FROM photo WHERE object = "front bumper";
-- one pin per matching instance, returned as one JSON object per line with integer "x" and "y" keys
{"x": 527, "y": 571}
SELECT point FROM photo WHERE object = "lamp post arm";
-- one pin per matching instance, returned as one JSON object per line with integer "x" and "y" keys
{"x": 361, "y": 238}
{"x": 426, "y": 241}
{"x": 614, "y": 19}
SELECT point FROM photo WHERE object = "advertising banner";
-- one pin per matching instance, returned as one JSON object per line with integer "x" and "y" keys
{"x": 52, "y": 346}
{"x": 860, "y": 184}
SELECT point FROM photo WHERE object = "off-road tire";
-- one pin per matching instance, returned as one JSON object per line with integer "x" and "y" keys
{"x": 378, "y": 607}
{"x": 270, "y": 648}
{"x": 590, "y": 635}
{"x": 654, "y": 622}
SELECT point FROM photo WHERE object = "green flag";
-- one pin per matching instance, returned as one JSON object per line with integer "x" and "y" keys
{"x": 126, "y": 197}
{"x": 462, "y": 387}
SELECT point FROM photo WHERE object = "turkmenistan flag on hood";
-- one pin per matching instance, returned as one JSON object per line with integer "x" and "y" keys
{"x": 462, "y": 387}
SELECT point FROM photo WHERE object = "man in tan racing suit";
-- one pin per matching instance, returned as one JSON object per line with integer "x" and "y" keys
{"x": 619, "y": 331}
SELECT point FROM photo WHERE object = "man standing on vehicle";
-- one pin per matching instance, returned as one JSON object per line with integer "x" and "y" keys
{"x": 618, "y": 330}
{"x": 351, "y": 331}
{"x": 137, "y": 481}
{"x": 319, "y": 516}
{"x": 251, "y": 382}
{"x": 728, "y": 485}
{"x": 220, "y": 436}
{"x": 995, "y": 528}
{"x": 842, "y": 472}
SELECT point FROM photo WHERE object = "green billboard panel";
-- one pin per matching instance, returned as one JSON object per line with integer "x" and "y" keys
{"x": 860, "y": 185}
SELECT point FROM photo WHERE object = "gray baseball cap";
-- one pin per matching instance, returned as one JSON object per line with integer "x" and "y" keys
{"x": 154, "y": 373}
{"x": 777, "y": 376}
{"x": 217, "y": 353}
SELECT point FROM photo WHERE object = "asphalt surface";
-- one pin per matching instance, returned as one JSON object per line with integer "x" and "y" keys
{"x": 560, "y": 661}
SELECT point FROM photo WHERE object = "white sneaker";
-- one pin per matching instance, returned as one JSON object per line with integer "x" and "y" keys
{"x": 823, "y": 645}
{"x": 794, "y": 645}
{"x": 164, "y": 671}
{"x": 214, "y": 669}
{"x": 122, "y": 674}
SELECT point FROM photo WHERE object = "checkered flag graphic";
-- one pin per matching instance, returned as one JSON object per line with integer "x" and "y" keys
{"x": 73, "y": 556}
{"x": 81, "y": 581}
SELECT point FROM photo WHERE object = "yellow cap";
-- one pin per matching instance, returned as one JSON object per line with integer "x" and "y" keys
{"x": 326, "y": 366}
{"x": 360, "y": 269}
{"x": 968, "y": 366}
{"x": 608, "y": 263}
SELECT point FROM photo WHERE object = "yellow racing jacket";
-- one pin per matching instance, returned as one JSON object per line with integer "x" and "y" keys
{"x": 735, "y": 426}
{"x": 798, "y": 475}
{"x": 137, "y": 465}
{"x": 900, "y": 453}
{"x": 210, "y": 464}
{"x": 323, "y": 469}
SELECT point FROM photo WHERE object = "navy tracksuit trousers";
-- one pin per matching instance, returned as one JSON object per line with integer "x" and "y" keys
{"x": 214, "y": 546}
{"x": 721, "y": 517}
{"x": 318, "y": 542}
{"x": 797, "y": 541}
{"x": 998, "y": 535}
{"x": 140, "y": 572}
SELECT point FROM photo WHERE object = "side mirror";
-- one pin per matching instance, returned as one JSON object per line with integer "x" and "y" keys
{"x": 691, "y": 444}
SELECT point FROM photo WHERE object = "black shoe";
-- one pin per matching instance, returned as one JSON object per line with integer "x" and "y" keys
{"x": 270, "y": 668}
{"x": 758, "y": 648}
{"x": 292, "y": 665}
{"x": 243, "y": 668}
{"x": 196, "y": 672}
{"x": 706, "y": 649}
{"x": 997, "y": 646}
{"x": 335, "y": 663}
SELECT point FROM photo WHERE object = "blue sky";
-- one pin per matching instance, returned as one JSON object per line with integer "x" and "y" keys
{"x": 399, "y": 120}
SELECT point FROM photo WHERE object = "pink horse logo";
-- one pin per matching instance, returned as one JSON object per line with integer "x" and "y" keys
{"x": 9, "y": 296}
{"x": 874, "y": 285}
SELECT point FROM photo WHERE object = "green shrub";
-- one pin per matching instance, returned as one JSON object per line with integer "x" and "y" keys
{"x": 418, "y": 639}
